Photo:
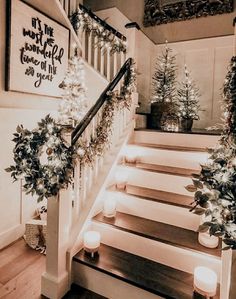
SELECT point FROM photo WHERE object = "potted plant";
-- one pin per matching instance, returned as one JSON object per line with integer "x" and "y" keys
{"x": 188, "y": 101}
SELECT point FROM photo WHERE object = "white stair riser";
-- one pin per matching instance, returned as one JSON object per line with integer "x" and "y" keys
{"x": 175, "y": 257}
{"x": 182, "y": 159}
{"x": 156, "y": 181}
{"x": 173, "y": 139}
{"x": 156, "y": 211}
{"x": 107, "y": 285}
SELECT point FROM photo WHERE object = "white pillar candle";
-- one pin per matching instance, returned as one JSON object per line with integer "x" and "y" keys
{"x": 131, "y": 157}
{"x": 109, "y": 207}
{"x": 92, "y": 241}
{"x": 205, "y": 281}
{"x": 208, "y": 241}
{"x": 121, "y": 178}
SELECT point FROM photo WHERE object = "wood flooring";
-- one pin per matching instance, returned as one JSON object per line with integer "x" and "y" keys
{"x": 20, "y": 274}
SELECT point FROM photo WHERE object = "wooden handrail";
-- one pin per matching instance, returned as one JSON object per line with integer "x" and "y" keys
{"x": 102, "y": 22}
{"x": 78, "y": 131}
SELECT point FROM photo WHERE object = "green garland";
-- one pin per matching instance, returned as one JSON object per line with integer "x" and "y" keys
{"x": 42, "y": 159}
{"x": 81, "y": 19}
{"x": 96, "y": 147}
{"x": 215, "y": 187}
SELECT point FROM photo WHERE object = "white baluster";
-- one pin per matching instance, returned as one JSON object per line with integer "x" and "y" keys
{"x": 83, "y": 41}
{"x": 66, "y": 7}
{"x": 114, "y": 63}
{"x": 102, "y": 66}
{"x": 108, "y": 64}
{"x": 90, "y": 48}
{"x": 96, "y": 52}
{"x": 122, "y": 58}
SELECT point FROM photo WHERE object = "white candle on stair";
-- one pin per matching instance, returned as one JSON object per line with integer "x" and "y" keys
{"x": 92, "y": 241}
{"x": 208, "y": 241}
{"x": 121, "y": 178}
{"x": 205, "y": 281}
{"x": 109, "y": 206}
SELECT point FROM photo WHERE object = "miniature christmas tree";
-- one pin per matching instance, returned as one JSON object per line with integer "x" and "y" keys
{"x": 164, "y": 77}
{"x": 215, "y": 187}
{"x": 188, "y": 97}
{"x": 74, "y": 102}
{"x": 163, "y": 103}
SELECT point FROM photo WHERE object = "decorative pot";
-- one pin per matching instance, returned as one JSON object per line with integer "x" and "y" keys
{"x": 186, "y": 124}
{"x": 157, "y": 110}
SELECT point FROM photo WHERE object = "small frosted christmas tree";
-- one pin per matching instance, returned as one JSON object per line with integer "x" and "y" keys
{"x": 163, "y": 103}
{"x": 74, "y": 102}
{"x": 215, "y": 187}
{"x": 188, "y": 97}
{"x": 164, "y": 78}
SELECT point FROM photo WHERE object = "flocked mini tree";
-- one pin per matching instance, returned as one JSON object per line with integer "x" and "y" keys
{"x": 215, "y": 187}
{"x": 163, "y": 102}
{"x": 74, "y": 102}
{"x": 188, "y": 97}
{"x": 164, "y": 78}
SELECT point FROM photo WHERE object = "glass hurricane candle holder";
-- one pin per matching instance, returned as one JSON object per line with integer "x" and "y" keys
{"x": 91, "y": 243}
{"x": 205, "y": 281}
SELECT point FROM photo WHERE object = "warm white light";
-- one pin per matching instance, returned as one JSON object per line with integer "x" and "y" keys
{"x": 121, "y": 178}
{"x": 208, "y": 241}
{"x": 205, "y": 281}
{"x": 109, "y": 206}
{"x": 92, "y": 241}
{"x": 131, "y": 155}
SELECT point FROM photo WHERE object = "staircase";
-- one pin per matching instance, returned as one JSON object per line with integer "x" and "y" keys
{"x": 150, "y": 248}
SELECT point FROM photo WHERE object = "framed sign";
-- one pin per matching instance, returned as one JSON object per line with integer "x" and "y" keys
{"x": 37, "y": 51}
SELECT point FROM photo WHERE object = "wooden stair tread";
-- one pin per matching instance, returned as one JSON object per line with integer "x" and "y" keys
{"x": 158, "y": 231}
{"x": 77, "y": 292}
{"x": 140, "y": 272}
{"x": 164, "y": 169}
{"x": 171, "y": 147}
{"x": 160, "y": 196}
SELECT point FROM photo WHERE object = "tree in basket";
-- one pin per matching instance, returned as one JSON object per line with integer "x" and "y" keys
{"x": 164, "y": 79}
{"x": 74, "y": 102}
{"x": 188, "y": 101}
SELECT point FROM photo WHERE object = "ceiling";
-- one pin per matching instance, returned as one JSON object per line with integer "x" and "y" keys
{"x": 204, "y": 27}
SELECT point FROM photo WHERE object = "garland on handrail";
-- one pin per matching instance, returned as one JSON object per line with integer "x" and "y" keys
{"x": 106, "y": 39}
{"x": 46, "y": 162}
{"x": 87, "y": 151}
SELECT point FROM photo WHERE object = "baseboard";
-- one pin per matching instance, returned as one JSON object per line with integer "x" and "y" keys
{"x": 9, "y": 236}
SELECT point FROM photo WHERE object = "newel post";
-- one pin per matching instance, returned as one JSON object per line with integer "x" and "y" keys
{"x": 55, "y": 281}
{"x": 132, "y": 35}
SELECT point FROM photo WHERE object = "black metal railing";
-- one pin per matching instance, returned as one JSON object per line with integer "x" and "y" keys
{"x": 102, "y": 22}
{"x": 78, "y": 131}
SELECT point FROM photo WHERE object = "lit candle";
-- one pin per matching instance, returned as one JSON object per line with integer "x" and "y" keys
{"x": 92, "y": 241}
{"x": 121, "y": 178}
{"x": 205, "y": 281}
{"x": 208, "y": 241}
{"x": 109, "y": 207}
{"x": 130, "y": 156}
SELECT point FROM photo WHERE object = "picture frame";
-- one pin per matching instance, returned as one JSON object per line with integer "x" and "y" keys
{"x": 37, "y": 51}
